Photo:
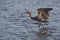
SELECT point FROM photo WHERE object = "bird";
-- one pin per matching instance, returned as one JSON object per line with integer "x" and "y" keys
{"x": 42, "y": 15}
{"x": 44, "y": 12}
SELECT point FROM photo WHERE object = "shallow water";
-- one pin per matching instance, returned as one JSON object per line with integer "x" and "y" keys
{"x": 16, "y": 25}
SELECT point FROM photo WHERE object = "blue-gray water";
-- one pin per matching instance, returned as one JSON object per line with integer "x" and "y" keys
{"x": 16, "y": 25}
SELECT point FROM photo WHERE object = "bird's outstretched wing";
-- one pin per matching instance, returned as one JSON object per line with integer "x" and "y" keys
{"x": 45, "y": 9}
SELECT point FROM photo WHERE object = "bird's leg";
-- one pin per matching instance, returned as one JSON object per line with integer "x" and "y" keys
{"x": 39, "y": 25}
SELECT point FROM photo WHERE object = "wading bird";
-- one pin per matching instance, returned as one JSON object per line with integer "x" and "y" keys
{"x": 42, "y": 15}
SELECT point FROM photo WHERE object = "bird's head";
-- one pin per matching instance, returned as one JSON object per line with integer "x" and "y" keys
{"x": 28, "y": 12}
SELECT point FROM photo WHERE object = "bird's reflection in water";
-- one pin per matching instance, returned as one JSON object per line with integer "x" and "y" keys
{"x": 44, "y": 33}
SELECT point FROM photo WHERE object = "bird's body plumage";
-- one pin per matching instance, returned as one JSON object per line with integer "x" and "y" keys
{"x": 35, "y": 18}
{"x": 41, "y": 17}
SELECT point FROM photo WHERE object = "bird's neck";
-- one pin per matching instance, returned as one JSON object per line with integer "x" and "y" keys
{"x": 30, "y": 14}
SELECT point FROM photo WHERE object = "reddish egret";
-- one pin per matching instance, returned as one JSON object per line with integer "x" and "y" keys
{"x": 42, "y": 15}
